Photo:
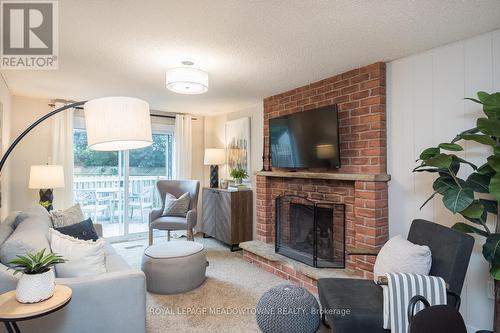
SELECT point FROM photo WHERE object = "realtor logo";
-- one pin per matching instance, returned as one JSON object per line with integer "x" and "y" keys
{"x": 29, "y": 32}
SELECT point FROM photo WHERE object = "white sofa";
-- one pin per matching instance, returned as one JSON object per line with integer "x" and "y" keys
{"x": 111, "y": 302}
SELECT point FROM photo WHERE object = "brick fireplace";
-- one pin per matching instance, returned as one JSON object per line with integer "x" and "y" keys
{"x": 360, "y": 183}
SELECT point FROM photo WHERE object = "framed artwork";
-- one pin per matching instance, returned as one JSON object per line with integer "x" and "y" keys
{"x": 238, "y": 144}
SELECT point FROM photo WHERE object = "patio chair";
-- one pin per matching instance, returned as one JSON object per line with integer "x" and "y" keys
{"x": 92, "y": 205}
{"x": 451, "y": 252}
{"x": 176, "y": 188}
{"x": 142, "y": 201}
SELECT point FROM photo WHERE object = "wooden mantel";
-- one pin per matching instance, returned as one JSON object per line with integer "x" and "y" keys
{"x": 381, "y": 177}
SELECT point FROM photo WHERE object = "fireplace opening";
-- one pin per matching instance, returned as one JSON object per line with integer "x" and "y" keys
{"x": 312, "y": 232}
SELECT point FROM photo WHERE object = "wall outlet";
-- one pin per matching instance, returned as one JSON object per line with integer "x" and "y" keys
{"x": 490, "y": 286}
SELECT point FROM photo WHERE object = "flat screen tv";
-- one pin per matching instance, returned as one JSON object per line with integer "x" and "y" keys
{"x": 308, "y": 139}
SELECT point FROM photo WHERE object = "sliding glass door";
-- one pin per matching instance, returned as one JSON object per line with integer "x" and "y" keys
{"x": 118, "y": 189}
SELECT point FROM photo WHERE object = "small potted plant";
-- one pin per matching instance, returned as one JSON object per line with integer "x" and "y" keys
{"x": 38, "y": 281}
{"x": 238, "y": 175}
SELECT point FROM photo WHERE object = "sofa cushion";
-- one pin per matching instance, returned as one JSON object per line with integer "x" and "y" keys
{"x": 83, "y": 230}
{"x": 169, "y": 222}
{"x": 30, "y": 234}
{"x": 72, "y": 215}
{"x": 7, "y": 226}
{"x": 84, "y": 258}
{"x": 176, "y": 206}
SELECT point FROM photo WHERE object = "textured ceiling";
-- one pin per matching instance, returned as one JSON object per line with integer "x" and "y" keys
{"x": 251, "y": 49}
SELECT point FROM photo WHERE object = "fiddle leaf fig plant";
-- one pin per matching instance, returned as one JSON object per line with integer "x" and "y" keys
{"x": 478, "y": 195}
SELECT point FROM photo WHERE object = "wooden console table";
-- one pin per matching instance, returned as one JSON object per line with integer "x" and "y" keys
{"x": 227, "y": 216}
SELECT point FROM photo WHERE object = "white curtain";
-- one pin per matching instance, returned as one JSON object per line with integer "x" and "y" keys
{"x": 183, "y": 150}
{"x": 62, "y": 154}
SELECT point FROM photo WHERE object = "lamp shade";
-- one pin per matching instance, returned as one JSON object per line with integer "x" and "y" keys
{"x": 215, "y": 156}
{"x": 117, "y": 123}
{"x": 46, "y": 176}
{"x": 187, "y": 80}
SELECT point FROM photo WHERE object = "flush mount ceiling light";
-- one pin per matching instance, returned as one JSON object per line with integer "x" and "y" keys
{"x": 187, "y": 80}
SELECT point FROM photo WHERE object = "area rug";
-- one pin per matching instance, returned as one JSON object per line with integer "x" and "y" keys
{"x": 225, "y": 302}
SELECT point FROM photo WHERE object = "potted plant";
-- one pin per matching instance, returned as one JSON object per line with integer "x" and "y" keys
{"x": 238, "y": 175}
{"x": 38, "y": 281}
{"x": 478, "y": 195}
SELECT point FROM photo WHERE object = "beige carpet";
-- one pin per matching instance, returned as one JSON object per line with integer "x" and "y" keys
{"x": 225, "y": 302}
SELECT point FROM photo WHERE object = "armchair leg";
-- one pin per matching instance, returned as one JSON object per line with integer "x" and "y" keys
{"x": 189, "y": 235}
{"x": 150, "y": 236}
{"x": 168, "y": 235}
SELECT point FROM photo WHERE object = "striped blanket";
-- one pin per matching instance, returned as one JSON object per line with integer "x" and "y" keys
{"x": 401, "y": 288}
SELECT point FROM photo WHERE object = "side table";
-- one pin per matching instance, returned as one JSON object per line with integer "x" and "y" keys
{"x": 12, "y": 311}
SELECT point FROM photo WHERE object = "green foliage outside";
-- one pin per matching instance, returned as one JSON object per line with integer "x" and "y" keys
{"x": 478, "y": 195}
{"x": 149, "y": 160}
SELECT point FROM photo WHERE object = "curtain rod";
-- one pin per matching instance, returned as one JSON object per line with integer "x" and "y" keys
{"x": 152, "y": 114}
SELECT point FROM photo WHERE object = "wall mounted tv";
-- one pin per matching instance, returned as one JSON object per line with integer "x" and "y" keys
{"x": 308, "y": 139}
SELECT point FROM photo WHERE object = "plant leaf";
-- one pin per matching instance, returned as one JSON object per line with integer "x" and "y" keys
{"x": 489, "y": 126}
{"x": 468, "y": 229}
{"x": 456, "y": 199}
{"x": 482, "y": 95}
{"x": 495, "y": 186}
{"x": 428, "y": 153}
{"x": 494, "y": 162}
{"x": 480, "y": 138}
{"x": 490, "y": 206}
{"x": 442, "y": 161}
{"x": 443, "y": 184}
{"x": 479, "y": 183}
{"x": 485, "y": 169}
{"x": 450, "y": 146}
{"x": 466, "y": 132}
{"x": 491, "y": 105}
{"x": 495, "y": 272}
{"x": 474, "y": 211}
{"x": 491, "y": 249}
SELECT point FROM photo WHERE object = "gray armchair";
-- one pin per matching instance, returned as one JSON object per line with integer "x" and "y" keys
{"x": 176, "y": 188}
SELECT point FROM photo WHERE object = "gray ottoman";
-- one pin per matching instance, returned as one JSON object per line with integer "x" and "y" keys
{"x": 287, "y": 309}
{"x": 174, "y": 267}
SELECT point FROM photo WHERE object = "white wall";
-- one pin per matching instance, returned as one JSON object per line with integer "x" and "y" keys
{"x": 215, "y": 138}
{"x": 6, "y": 101}
{"x": 35, "y": 148}
{"x": 425, "y": 108}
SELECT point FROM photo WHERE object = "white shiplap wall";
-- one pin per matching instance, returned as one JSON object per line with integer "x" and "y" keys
{"x": 425, "y": 106}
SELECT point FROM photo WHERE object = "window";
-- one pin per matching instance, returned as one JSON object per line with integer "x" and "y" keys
{"x": 118, "y": 189}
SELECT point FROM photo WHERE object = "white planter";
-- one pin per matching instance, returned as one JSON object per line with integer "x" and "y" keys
{"x": 33, "y": 288}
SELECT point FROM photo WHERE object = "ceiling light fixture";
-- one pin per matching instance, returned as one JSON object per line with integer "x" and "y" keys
{"x": 187, "y": 80}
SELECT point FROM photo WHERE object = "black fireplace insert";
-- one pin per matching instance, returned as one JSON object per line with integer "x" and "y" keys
{"x": 312, "y": 232}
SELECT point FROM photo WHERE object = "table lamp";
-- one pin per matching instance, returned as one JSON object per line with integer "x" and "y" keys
{"x": 214, "y": 157}
{"x": 45, "y": 178}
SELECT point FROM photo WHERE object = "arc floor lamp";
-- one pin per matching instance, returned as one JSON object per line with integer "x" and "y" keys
{"x": 113, "y": 123}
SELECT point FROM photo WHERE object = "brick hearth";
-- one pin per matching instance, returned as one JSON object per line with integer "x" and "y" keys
{"x": 360, "y": 95}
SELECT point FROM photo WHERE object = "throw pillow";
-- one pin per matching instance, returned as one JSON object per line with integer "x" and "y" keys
{"x": 83, "y": 230}
{"x": 7, "y": 227}
{"x": 402, "y": 256}
{"x": 72, "y": 215}
{"x": 176, "y": 206}
{"x": 84, "y": 258}
{"x": 31, "y": 230}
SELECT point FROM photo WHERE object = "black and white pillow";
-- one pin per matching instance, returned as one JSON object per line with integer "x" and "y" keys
{"x": 176, "y": 206}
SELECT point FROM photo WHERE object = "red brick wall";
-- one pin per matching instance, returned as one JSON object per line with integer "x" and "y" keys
{"x": 360, "y": 95}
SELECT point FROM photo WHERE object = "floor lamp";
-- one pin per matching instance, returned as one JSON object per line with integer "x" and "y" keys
{"x": 112, "y": 123}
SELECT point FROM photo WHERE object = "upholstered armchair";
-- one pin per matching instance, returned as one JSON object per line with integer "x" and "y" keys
{"x": 176, "y": 188}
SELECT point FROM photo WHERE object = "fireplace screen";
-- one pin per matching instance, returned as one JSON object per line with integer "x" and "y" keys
{"x": 310, "y": 231}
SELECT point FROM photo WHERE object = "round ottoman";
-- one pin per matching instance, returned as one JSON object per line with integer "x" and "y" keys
{"x": 174, "y": 267}
{"x": 286, "y": 309}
